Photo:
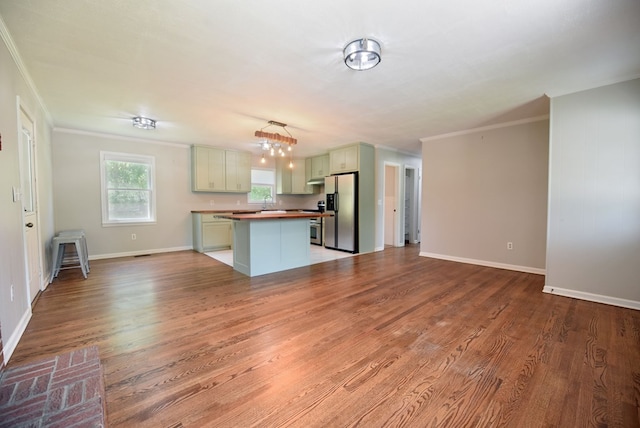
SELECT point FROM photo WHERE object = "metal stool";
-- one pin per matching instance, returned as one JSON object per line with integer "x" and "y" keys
{"x": 81, "y": 234}
{"x": 82, "y": 257}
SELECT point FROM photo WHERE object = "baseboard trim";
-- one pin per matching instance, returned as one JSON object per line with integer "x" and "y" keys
{"x": 138, "y": 253}
{"x": 525, "y": 269}
{"x": 12, "y": 342}
{"x": 598, "y": 298}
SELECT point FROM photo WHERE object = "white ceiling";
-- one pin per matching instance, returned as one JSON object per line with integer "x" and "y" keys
{"x": 214, "y": 71}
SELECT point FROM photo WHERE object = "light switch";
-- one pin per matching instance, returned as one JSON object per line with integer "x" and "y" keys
{"x": 16, "y": 193}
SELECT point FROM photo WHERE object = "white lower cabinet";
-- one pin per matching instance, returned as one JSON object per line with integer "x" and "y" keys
{"x": 211, "y": 233}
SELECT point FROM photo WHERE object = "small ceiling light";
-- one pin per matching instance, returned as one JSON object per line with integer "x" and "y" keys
{"x": 144, "y": 123}
{"x": 362, "y": 54}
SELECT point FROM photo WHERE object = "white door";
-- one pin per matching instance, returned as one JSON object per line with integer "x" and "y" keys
{"x": 29, "y": 205}
{"x": 390, "y": 205}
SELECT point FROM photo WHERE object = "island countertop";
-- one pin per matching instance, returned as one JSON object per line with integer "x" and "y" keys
{"x": 274, "y": 215}
{"x": 223, "y": 211}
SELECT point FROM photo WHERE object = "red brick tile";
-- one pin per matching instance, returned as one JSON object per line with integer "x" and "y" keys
{"x": 74, "y": 394}
{"x": 74, "y": 415}
{"x": 6, "y": 392}
{"x": 27, "y": 410}
{"x": 23, "y": 390}
{"x": 17, "y": 374}
{"x": 67, "y": 391}
{"x": 78, "y": 357}
{"x": 41, "y": 384}
{"x": 92, "y": 353}
{"x": 55, "y": 400}
{"x": 93, "y": 387}
{"x": 75, "y": 373}
{"x": 63, "y": 361}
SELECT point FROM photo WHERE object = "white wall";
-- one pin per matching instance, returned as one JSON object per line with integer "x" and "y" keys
{"x": 76, "y": 178}
{"x": 14, "y": 83}
{"x": 593, "y": 248}
{"x": 484, "y": 188}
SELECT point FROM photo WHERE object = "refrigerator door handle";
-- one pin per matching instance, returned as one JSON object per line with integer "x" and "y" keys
{"x": 337, "y": 202}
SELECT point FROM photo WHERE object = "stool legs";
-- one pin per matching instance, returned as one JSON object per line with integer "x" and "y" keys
{"x": 59, "y": 244}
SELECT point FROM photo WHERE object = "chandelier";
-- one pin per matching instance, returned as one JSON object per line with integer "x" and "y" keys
{"x": 276, "y": 144}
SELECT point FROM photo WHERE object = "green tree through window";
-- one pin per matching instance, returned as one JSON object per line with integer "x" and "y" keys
{"x": 127, "y": 188}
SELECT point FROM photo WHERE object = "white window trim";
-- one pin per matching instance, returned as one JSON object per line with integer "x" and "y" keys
{"x": 251, "y": 202}
{"x": 126, "y": 157}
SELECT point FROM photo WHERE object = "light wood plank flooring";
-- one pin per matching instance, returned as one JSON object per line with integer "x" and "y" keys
{"x": 383, "y": 339}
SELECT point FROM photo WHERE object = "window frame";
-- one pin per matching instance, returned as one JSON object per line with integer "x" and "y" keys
{"x": 149, "y": 160}
{"x": 272, "y": 185}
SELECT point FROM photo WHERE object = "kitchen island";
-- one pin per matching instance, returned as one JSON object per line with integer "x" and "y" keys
{"x": 271, "y": 241}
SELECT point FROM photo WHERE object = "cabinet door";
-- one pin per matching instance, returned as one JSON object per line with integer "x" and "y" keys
{"x": 238, "y": 171}
{"x": 320, "y": 166}
{"x": 283, "y": 177}
{"x": 208, "y": 169}
{"x": 344, "y": 159}
{"x": 216, "y": 235}
{"x": 299, "y": 178}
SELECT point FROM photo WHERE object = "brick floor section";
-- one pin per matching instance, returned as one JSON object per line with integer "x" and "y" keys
{"x": 62, "y": 391}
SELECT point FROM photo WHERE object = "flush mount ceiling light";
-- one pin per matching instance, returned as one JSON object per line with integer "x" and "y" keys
{"x": 144, "y": 123}
{"x": 274, "y": 143}
{"x": 362, "y": 54}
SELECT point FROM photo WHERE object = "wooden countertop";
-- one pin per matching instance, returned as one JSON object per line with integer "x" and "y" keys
{"x": 272, "y": 216}
{"x": 223, "y": 211}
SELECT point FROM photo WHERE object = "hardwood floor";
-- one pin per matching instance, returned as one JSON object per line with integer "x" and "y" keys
{"x": 382, "y": 339}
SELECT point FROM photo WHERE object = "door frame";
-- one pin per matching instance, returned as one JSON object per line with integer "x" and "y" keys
{"x": 24, "y": 110}
{"x": 413, "y": 193}
{"x": 398, "y": 235}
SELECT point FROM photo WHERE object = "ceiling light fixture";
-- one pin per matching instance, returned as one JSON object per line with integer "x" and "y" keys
{"x": 144, "y": 122}
{"x": 362, "y": 54}
{"x": 274, "y": 143}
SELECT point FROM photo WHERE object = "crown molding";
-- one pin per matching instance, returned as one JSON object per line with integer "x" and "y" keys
{"x": 486, "y": 128}
{"x": 120, "y": 137}
{"x": 17, "y": 59}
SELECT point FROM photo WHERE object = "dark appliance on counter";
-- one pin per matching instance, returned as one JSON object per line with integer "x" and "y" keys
{"x": 341, "y": 230}
{"x": 321, "y": 206}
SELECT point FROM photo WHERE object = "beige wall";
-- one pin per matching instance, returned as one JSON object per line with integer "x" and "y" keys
{"x": 594, "y": 199}
{"x": 76, "y": 178}
{"x": 14, "y": 86}
{"x": 483, "y": 189}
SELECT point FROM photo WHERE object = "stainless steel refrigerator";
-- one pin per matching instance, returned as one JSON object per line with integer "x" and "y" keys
{"x": 341, "y": 230}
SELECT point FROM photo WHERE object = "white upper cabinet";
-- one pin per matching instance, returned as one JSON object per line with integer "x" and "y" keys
{"x": 344, "y": 159}
{"x": 319, "y": 167}
{"x": 208, "y": 169}
{"x": 238, "y": 171}
{"x": 218, "y": 170}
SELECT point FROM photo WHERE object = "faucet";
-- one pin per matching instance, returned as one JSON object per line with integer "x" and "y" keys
{"x": 264, "y": 204}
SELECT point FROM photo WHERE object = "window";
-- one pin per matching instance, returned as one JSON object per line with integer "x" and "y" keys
{"x": 263, "y": 186}
{"x": 128, "y": 194}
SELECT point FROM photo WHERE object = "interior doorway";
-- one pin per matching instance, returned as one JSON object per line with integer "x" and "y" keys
{"x": 392, "y": 235}
{"x": 28, "y": 196}
{"x": 411, "y": 205}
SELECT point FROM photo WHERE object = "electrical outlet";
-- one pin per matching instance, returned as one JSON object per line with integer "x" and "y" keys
{"x": 133, "y": 236}
{"x": 237, "y": 202}
{"x": 12, "y": 292}
{"x": 509, "y": 245}
{"x": 211, "y": 202}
